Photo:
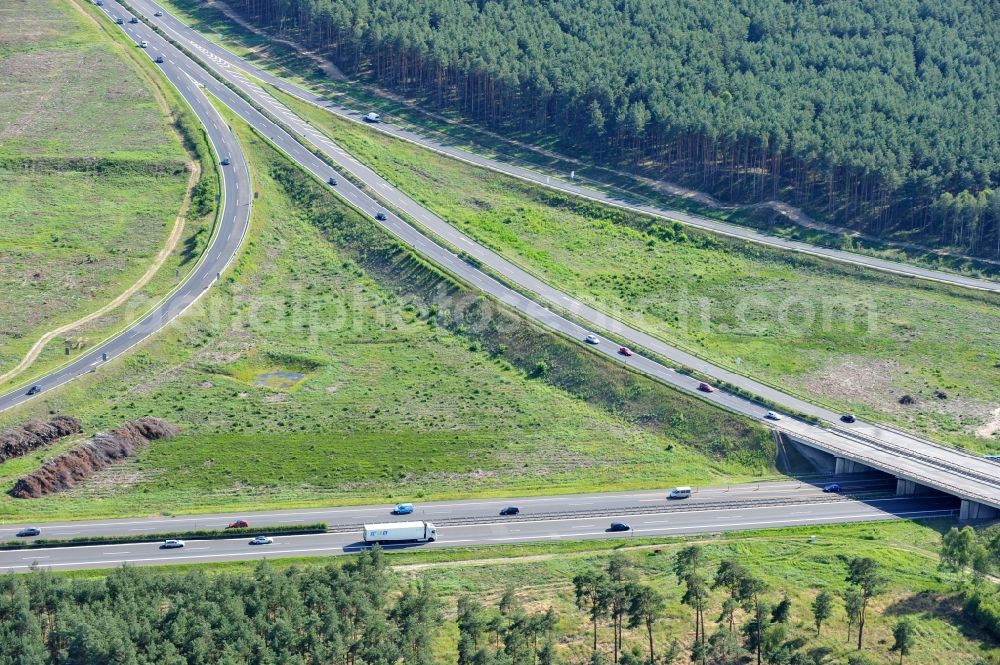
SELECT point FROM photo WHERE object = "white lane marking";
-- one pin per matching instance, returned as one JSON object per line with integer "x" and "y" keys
{"x": 328, "y": 548}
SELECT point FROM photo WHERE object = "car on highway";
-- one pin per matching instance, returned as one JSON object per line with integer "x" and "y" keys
{"x": 238, "y": 524}
{"x": 35, "y": 389}
{"x": 133, "y": 20}
{"x": 262, "y": 540}
{"x": 119, "y": 20}
{"x": 402, "y": 509}
{"x": 331, "y": 181}
{"x": 625, "y": 351}
{"x": 143, "y": 44}
{"x": 171, "y": 544}
{"x": 772, "y": 415}
{"x": 380, "y": 216}
{"x": 848, "y": 418}
{"x": 705, "y": 388}
{"x": 157, "y": 13}
{"x": 99, "y": 3}
{"x": 29, "y": 532}
{"x": 619, "y": 526}
{"x": 680, "y": 493}
{"x": 159, "y": 59}
{"x": 372, "y": 117}
{"x": 832, "y": 488}
{"x": 592, "y": 339}
{"x": 226, "y": 161}
{"x": 510, "y": 510}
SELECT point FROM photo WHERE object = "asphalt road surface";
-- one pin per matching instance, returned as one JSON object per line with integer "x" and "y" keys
{"x": 880, "y": 447}
{"x": 194, "y": 40}
{"x": 789, "y": 493}
{"x": 493, "y": 532}
{"x": 231, "y": 227}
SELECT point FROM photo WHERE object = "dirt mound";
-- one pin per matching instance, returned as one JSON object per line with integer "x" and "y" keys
{"x": 103, "y": 450}
{"x": 35, "y": 434}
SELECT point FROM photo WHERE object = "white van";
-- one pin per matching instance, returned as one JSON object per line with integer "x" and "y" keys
{"x": 372, "y": 117}
{"x": 680, "y": 493}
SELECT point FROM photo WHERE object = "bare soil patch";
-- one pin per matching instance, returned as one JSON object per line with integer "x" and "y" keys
{"x": 103, "y": 450}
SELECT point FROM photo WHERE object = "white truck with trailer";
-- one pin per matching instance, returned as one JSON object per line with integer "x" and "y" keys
{"x": 400, "y": 532}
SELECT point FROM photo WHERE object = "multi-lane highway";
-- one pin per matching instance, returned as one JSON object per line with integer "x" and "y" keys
{"x": 879, "y": 447}
{"x": 463, "y": 523}
{"x": 770, "y": 493}
{"x": 201, "y": 44}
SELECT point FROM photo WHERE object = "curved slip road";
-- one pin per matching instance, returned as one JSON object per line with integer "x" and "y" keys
{"x": 194, "y": 40}
{"x": 231, "y": 226}
{"x": 926, "y": 463}
{"x": 493, "y": 532}
{"x": 880, "y": 447}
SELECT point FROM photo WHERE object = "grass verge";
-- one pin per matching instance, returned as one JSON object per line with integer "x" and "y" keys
{"x": 333, "y": 366}
{"x": 93, "y": 171}
{"x": 856, "y": 340}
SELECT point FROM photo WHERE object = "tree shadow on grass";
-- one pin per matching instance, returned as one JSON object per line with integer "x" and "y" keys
{"x": 946, "y": 606}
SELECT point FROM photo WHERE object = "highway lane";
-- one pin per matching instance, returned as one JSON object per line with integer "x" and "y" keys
{"x": 231, "y": 227}
{"x": 198, "y": 42}
{"x": 790, "y": 492}
{"x": 878, "y": 446}
{"x": 491, "y": 533}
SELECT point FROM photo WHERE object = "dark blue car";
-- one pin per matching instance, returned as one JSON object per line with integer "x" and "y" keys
{"x": 832, "y": 488}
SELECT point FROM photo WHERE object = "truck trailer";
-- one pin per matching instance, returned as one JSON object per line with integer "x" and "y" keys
{"x": 400, "y": 532}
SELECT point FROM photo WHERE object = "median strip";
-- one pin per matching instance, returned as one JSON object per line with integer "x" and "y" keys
{"x": 216, "y": 534}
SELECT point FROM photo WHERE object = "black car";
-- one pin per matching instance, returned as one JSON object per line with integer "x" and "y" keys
{"x": 510, "y": 510}
{"x": 225, "y": 161}
{"x": 331, "y": 181}
{"x": 29, "y": 532}
{"x": 619, "y": 526}
{"x": 34, "y": 390}
{"x": 380, "y": 216}
{"x": 848, "y": 418}
{"x": 159, "y": 58}
{"x": 133, "y": 20}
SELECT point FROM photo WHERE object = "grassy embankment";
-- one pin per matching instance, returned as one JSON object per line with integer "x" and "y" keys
{"x": 283, "y": 60}
{"x": 387, "y": 392}
{"x": 96, "y": 155}
{"x": 857, "y": 340}
{"x": 542, "y": 575}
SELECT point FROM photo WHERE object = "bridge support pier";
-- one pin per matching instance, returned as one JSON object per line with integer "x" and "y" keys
{"x": 909, "y": 488}
{"x": 846, "y": 466}
{"x": 977, "y": 511}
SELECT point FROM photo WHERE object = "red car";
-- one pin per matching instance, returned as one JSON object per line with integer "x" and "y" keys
{"x": 238, "y": 524}
{"x": 625, "y": 351}
{"x": 705, "y": 388}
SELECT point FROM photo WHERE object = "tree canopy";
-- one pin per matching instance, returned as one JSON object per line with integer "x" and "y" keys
{"x": 867, "y": 113}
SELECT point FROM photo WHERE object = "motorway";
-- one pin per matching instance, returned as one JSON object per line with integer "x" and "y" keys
{"x": 467, "y": 523}
{"x": 881, "y": 448}
{"x": 192, "y": 39}
{"x": 782, "y": 492}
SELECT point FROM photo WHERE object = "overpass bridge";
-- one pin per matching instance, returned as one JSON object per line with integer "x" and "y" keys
{"x": 920, "y": 467}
